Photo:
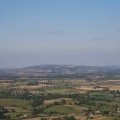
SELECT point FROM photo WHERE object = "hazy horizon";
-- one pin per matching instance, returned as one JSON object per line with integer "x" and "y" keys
{"x": 80, "y": 32}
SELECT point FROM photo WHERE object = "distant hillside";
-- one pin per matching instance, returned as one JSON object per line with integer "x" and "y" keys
{"x": 60, "y": 70}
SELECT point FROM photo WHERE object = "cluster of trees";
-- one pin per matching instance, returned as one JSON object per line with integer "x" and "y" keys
{"x": 33, "y": 83}
{"x": 3, "y": 115}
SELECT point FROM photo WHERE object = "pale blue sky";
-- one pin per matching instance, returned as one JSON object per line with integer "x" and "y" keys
{"x": 82, "y": 32}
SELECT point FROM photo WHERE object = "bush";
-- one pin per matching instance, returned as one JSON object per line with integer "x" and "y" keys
{"x": 37, "y": 102}
{"x": 56, "y": 103}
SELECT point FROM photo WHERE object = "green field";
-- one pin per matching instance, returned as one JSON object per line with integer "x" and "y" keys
{"x": 58, "y": 101}
{"x": 13, "y": 102}
{"x": 77, "y": 109}
{"x": 16, "y": 107}
{"x": 60, "y": 90}
{"x": 59, "y": 109}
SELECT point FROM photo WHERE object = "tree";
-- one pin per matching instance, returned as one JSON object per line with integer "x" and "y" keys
{"x": 2, "y": 113}
{"x": 37, "y": 102}
{"x": 37, "y": 110}
{"x": 63, "y": 101}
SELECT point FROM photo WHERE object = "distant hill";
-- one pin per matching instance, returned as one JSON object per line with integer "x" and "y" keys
{"x": 60, "y": 70}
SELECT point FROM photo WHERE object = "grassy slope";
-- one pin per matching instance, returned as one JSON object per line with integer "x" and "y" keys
{"x": 59, "y": 109}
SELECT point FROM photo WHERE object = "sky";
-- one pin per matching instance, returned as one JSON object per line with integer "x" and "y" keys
{"x": 77, "y": 32}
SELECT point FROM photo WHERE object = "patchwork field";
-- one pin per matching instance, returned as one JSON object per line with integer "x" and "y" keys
{"x": 45, "y": 100}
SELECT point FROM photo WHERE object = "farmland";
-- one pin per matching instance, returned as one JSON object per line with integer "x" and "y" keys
{"x": 60, "y": 99}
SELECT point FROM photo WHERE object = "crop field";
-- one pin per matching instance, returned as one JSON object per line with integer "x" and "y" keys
{"x": 16, "y": 107}
{"x": 13, "y": 102}
{"x": 59, "y": 109}
{"x": 96, "y": 100}
{"x": 60, "y": 90}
